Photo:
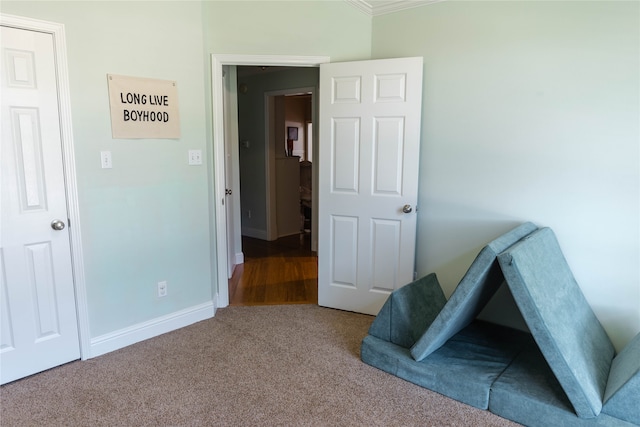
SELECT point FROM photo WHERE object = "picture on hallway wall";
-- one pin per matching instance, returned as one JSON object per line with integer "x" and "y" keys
{"x": 292, "y": 133}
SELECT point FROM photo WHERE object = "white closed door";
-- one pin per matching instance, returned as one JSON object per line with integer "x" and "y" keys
{"x": 37, "y": 302}
{"x": 370, "y": 114}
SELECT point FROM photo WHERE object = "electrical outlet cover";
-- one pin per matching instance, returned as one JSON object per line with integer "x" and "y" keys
{"x": 162, "y": 289}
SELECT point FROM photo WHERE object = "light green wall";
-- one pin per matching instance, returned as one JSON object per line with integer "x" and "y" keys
{"x": 145, "y": 220}
{"x": 530, "y": 112}
{"x": 302, "y": 27}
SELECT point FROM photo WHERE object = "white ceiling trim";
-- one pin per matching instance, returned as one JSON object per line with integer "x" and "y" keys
{"x": 381, "y": 7}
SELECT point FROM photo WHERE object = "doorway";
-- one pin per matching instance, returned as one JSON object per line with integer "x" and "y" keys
{"x": 274, "y": 185}
{"x": 218, "y": 61}
{"x": 289, "y": 174}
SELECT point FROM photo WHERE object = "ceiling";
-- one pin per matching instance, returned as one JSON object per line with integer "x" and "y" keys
{"x": 381, "y": 7}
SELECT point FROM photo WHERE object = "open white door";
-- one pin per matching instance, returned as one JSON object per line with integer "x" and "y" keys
{"x": 370, "y": 114}
{"x": 232, "y": 172}
{"x": 39, "y": 326}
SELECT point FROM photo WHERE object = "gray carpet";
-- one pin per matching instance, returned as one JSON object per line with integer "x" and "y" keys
{"x": 295, "y": 365}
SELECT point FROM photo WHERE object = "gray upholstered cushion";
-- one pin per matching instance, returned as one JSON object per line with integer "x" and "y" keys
{"x": 529, "y": 393}
{"x": 622, "y": 396}
{"x": 409, "y": 311}
{"x": 567, "y": 331}
{"x": 463, "y": 368}
{"x": 476, "y": 288}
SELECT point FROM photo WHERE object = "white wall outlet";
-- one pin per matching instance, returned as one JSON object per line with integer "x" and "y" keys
{"x": 162, "y": 289}
{"x": 195, "y": 157}
{"x": 105, "y": 159}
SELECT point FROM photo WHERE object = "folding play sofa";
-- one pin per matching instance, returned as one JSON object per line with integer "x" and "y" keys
{"x": 564, "y": 371}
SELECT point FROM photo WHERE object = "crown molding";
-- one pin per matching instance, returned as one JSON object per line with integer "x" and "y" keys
{"x": 382, "y": 7}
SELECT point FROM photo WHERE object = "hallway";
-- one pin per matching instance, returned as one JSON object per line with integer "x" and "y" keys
{"x": 284, "y": 271}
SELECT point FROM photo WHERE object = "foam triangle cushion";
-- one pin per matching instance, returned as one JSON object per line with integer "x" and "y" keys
{"x": 569, "y": 335}
{"x": 409, "y": 311}
{"x": 623, "y": 386}
{"x": 476, "y": 288}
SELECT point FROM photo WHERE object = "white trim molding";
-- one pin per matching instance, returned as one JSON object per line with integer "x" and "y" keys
{"x": 239, "y": 258}
{"x": 255, "y": 233}
{"x": 383, "y": 7}
{"x": 124, "y": 337}
{"x": 270, "y": 60}
{"x": 68, "y": 158}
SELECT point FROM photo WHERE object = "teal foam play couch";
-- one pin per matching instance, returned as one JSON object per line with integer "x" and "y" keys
{"x": 563, "y": 371}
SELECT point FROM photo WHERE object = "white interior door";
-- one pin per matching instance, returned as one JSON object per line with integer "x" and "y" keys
{"x": 38, "y": 320}
{"x": 232, "y": 173}
{"x": 370, "y": 114}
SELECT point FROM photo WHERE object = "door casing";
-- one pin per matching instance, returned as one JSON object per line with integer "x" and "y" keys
{"x": 68, "y": 159}
{"x": 218, "y": 231}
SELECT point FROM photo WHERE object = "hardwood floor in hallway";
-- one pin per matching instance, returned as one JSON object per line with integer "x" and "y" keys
{"x": 284, "y": 271}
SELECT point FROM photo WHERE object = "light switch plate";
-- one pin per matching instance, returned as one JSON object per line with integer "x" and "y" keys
{"x": 195, "y": 157}
{"x": 105, "y": 159}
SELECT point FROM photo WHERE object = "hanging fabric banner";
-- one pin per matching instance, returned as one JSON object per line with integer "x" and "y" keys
{"x": 143, "y": 108}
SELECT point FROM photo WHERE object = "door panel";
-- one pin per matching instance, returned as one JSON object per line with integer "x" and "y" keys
{"x": 39, "y": 323}
{"x": 385, "y": 241}
{"x": 370, "y": 114}
{"x": 344, "y": 236}
{"x": 388, "y": 148}
{"x": 345, "y": 143}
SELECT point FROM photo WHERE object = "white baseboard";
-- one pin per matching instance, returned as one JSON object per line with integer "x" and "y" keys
{"x": 255, "y": 233}
{"x": 239, "y": 258}
{"x": 290, "y": 233}
{"x": 124, "y": 337}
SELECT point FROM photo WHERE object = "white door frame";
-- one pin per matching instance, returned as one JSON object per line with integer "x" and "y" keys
{"x": 68, "y": 158}
{"x": 217, "y": 93}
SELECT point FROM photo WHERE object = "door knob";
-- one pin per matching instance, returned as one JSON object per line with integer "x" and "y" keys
{"x": 407, "y": 209}
{"x": 56, "y": 224}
